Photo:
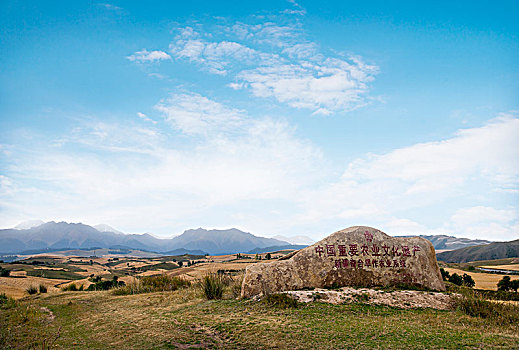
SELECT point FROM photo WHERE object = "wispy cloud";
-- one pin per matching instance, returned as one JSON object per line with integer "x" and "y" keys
{"x": 296, "y": 10}
{"x": 110, "y": 6}
{"x": 276, "y": 61}
{"x": 196, "y": 114}
{"x": 146, "y": 118}
{"x": 146, "y": 56}
{"x": 468, "y": 167}
{"x": 134, "y": 175}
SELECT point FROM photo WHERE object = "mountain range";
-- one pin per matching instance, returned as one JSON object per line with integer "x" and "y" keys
{"x": 491, "y": 251}
{"x": 61, "y": 235}
{"x": 37, "y": 236}
{"x": 444, "y": 242}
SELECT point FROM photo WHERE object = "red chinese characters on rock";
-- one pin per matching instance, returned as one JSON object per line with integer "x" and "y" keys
{"x": 373, "y": 256}
{"x": 342, "y": 250}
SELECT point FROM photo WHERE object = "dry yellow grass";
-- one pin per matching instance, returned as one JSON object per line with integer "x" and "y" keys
{"x": 483, "y": 280}
{"x": 15, "y": 287}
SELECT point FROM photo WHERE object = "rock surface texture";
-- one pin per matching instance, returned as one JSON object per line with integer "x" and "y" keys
{"x": 404, "y": 299}
{"x": 358, "y": 256}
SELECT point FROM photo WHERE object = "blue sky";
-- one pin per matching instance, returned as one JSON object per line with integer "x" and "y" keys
{"x": 277, "y": 117}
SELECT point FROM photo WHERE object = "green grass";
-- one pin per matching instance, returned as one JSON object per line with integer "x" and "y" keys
{"x": 55, "y": 274}
{"x": 163, "y": 265}
{"x": 52, "y": 273}
{"x": 184, "y": 318}
{"x": 280, "y": 300}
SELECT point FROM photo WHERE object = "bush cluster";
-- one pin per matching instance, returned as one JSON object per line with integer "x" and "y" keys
{"x": 72, "y": 288}
{"x": 465, "y": 280}
{"x": 161, "y": 283}
{"x": 4, "y": 272}
{"x": 32, "y": 290}
{"x": 213, "y": 285}
{"x": 506, "y": 284}
{"x": 6, "y": 302}
{"x": 500, "y": 313}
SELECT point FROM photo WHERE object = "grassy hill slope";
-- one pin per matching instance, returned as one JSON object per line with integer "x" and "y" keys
{"x": 496, "y": 250}
{"x": 183, "y": 319}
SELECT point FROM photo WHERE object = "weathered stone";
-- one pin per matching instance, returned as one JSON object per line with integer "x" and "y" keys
{"x": 358, "y": 256}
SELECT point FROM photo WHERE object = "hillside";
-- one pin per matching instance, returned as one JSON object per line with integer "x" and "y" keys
{"x": 496, "y": 250}
{"x": 444, "y": 242}
{"x": 183, "y": 319}
{"x": 52, "y": 236}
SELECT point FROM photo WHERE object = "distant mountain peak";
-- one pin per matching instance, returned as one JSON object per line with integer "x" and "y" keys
{"x": 29, "y": 224}
{"x": 106, "y": 228}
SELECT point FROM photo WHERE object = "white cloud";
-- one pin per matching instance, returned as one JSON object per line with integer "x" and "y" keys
{"x": 333, "y": 85}
{"x": 276, "y": 61}
{"x": 128, "y": 175}
{"x": 196, "y": 114}
{"x": 146, "y": 56}
{"x": 110, "y": 6}
{"x": 468, "y": 167}
{"x": 146, "y": 118}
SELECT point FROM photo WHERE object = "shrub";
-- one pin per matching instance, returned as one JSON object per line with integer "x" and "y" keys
{"x": 468, "y": 281}
{"x": 281, "y": 300}
{"x": 72, "y": 288}
{"x": 504, "y": 283}
{"x": 6, "y": 302}
{"x": 105, "y": 285}
{"x": 471, "y": 268}
{"x": 445, "y": 274}
{"x": 163, "y": 283}
{"x": 514, "y": 285}
{"x": 213, "y": 285}
{"x": 43, "y": 289}
{"x": 475, "y": 306}
{"x": 32, "y": 290}
{"x": 150, "y": 284}
{"x": 4, "y": 272}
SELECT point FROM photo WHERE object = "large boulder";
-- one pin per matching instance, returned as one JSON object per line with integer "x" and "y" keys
{"x": 358, "y": 256}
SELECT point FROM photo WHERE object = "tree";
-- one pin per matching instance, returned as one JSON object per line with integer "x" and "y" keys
{"x": 4, "y": 272}
{"x": 468, "y": 281}
{"x": 504, "y": 283}
{"x": 268, "y": 256}
{"x": 445, "y": 274}
{"x": 514, "y": 285}
{"x": 456, "y": 279}
{"x": 180, "y": 263}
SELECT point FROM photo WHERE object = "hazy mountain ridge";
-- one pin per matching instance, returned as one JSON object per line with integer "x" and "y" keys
{"x": 495, "y": 250}
{"x": 444, "y": 242}
{"x": 52, "y": 235}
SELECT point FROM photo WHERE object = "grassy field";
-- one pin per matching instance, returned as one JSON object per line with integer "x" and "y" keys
{"x": 184, "y": 319}
{"x": 483, "y": 280}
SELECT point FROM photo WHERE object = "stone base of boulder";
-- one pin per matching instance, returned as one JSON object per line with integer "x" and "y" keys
{"x": 404, "y": 299}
